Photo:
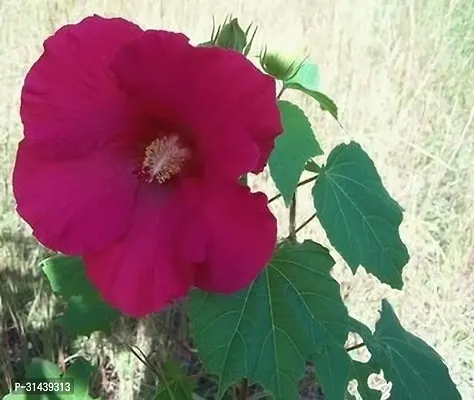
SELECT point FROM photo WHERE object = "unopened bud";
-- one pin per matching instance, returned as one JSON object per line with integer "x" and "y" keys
{"x": 231, "y": 36}
{"x": 279, "y": 65}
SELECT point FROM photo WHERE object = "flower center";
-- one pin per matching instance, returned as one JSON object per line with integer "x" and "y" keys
{"x": 164, "y": 158}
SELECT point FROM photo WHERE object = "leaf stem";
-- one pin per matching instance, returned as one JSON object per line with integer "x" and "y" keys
{"x": 280, "y": 93}
{"x": 244, "y": 389}
{"x": 305, "y": 223}
{"x": 309, "y": 180}
{"x": 292, "y": 218}
{"x": 138, "y": 353}
{"x": 355, "y": 347}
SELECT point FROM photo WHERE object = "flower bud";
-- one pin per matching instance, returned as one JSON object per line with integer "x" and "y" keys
{"x": 279, "y": 65}
{"x": 231, "y": 36}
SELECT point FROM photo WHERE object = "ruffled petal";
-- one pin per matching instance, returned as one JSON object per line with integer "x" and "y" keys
{"x": 70, "y": 102}
{"x": 76, "y": 205}
{"x": 242, "y": 237}
{"x": 263, "y": 122}
{"x": 154, "y": 262}
{"x": 220, "y": 99}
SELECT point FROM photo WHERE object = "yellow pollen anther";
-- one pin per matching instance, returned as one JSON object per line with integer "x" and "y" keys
{"x": 164, "y": 158}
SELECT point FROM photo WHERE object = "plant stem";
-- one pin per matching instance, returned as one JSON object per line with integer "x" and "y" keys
{"x": 292, "y": 218}
{"x": 281, "y": 92}
{"x": 306, "y": 222}
{"x": 244, "y": 389}
{"x": 355, "y": 347}
{"x": 309, "y": 180}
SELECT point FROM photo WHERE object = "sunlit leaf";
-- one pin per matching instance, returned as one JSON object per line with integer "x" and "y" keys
{"x": 361, "y": 372}
{"x": 326, "y": 103}
{"x": 359, "y": 216}
{"x": 416, "y": 371}
{"x": 292, "y": 150}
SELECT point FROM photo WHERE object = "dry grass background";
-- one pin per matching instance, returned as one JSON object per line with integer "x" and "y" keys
{"x": 402, "y": 75}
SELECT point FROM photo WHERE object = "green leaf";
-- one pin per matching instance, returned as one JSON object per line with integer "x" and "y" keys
{"x": 292, "y": 150}
{"x": 324, "y": 101}
{"x": 174, "y": 385}
{"x": 361, "y": 372}
{"x": 291, "y": 313}
{"x": 307, "y": 77}
{"x": 39, "y": 368}
{"x": 86, "y": 312}
{"x": 416, "y": 371}
{"x": 67, "y": 276}
{"x": 359, "y": 216}
{"x": 79, "y": 372}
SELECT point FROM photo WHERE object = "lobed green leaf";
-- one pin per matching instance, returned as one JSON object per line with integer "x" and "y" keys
{"x": 174, "y": 384}
{"x": 292, "y": 150}
{"x": 360, "y": 218}
{"x": 416, "y": 371}
{"x": 79, "y": 371}
{"x": 86, "y": 312}
{"x": 291, "y": 313}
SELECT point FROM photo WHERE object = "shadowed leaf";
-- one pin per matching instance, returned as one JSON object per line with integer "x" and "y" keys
{"x": 75, "y": 381}
{"x": 174, "y": 384}
{"x": 291, "y": 313}
{"x": 86, "y": 312}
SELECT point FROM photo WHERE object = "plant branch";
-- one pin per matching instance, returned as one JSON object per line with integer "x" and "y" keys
{"x": 138, "y": 353}
{"x": 309, "y": 180}
{"x": 305, "y": 223}
{"x": 292, "y": 218}
{"x": 280, "y": 93}
{"x": 355, "y": 347}
{"x": 244, "y": 389}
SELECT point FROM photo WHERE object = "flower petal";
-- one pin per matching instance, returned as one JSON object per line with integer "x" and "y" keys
{"x": 242, "y": 238}
{"x": 220, "y": 98}
{"x": 153, "y": 263}
{"x": 264, "y": 125}
{"x": 74, "y": 205}
{"x": 70, "y": 100}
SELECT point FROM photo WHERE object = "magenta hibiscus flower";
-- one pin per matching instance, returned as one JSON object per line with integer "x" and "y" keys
{"x": 134, "y": 144}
